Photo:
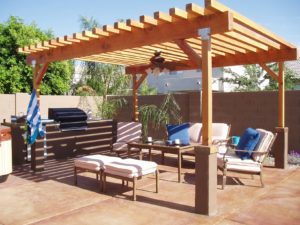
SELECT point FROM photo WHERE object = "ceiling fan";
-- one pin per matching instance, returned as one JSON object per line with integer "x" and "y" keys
{"x": 157, "y": 61}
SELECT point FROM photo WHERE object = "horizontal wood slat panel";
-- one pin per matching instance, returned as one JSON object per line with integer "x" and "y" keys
{"x": 98, "y": 137}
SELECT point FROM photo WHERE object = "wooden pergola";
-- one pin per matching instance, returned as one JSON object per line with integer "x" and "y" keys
{"x": 194, "y": 38}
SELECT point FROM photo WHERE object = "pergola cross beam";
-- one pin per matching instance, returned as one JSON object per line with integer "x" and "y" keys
{"x": 219, "y": 23}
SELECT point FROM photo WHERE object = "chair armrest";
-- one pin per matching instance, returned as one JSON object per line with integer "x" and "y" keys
{"x": 240, "y": 150}
{"x": 232, "y": 148}
{"x": 221, "y": 141}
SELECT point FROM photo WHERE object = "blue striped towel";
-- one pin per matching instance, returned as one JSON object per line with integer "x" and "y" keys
{"x": 34, "y": 119}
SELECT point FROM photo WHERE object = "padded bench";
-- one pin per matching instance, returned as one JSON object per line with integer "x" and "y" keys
{"x": 94, "y": 164}
{"x": 130, "y": 170}
{"x": 124, "y": 169}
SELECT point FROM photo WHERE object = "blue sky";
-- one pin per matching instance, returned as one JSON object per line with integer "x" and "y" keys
{"x": 62, "y": 16}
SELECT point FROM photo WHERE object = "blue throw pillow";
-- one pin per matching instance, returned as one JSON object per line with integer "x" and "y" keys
{"x": 180, "y": 132}
{"x": 248, "y": 142}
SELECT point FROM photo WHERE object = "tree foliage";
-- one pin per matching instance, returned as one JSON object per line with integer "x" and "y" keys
{"x": 251, "y": 80}
{"x": 145, "y": 89}
{"x": 254, "y": 76}
{"x": 290, "y": 79}
{"x": 104, "y": 79}
{"x": 15, "y": 74}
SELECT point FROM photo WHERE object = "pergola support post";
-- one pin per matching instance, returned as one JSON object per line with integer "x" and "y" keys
{"x": 206, "y": 159}
{"x": 281, "y": 148}
{"x": 135, "y": 116}
{"x": 37, "y": 154}
{"x": 135, "y": 86}
{"x": 281, "y": 143}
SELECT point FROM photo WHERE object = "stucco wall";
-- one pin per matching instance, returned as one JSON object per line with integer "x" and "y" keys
{"x": 7, "y": 106}
{"x": 240, "y": 109}
{"x": 16, "y": 104}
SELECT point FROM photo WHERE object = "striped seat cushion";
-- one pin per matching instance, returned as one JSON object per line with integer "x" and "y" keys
{"x": 131, "y": 168}
{"x": 234, "y": 162}
{"x": 94, "y": 162}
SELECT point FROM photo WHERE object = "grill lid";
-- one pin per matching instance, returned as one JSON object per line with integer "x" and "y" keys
{"x": 69, "y": 118}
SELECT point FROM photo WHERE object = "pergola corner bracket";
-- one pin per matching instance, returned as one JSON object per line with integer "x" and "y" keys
{"x": 139, "y": 81}
{"x": 189, "y": 51}
{"x": 41, "y": 73}
{"x": 270, "y": 72}
{"x": 204, "y": 33}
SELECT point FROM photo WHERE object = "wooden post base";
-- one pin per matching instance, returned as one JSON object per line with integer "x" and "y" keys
{"x": 206, "y": 180}
{"x": 281, "y": 148}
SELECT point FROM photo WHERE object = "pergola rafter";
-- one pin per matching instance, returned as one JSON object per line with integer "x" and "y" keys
{"x": 194, "y": 38}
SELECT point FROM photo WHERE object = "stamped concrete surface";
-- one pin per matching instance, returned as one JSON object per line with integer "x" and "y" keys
{"x": 51, "y": 198}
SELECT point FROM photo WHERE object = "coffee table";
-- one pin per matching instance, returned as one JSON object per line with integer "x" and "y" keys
{"x": 161, "y": 146}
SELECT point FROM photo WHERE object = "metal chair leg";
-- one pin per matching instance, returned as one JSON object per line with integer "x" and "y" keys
{"x": 134, "y": 188}
{"x": 75, "y": 175}
{"x": 104, "y": 183}
{"x": 224, "y": 178}
{"x": 101, "y": 181}
{"x": 157, "y": 179}
{"x": 261, "y": 179}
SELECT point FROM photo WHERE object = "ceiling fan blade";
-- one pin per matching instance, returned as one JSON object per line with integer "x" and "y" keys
{"x": 174, "y": 65}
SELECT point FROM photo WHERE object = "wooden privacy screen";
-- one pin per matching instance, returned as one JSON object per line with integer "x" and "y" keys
{"x": 97, "y": 138}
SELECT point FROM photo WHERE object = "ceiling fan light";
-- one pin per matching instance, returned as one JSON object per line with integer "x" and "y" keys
{"x": 148, "y": 71}
{"x": 165, "y": 70}
{"x": 156, "y": 71}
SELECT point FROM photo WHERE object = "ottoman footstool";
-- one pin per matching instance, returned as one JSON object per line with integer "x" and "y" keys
{"x": 130, "y": 170}
{"x": 94, "y": 164}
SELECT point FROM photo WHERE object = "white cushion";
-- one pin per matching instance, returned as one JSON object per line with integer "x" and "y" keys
{"x": 89, "y": 165}
{"x": 195, "y": 132}
{"x": 266, "y": 137}
{"x": 236, "y": 163}
{"x": 130, "y": 175}
{"x": 131, "y": 168}
{"x": 94, "y": 162}
{"x": 220, "y": 130}
{"x": 129, "y": 131}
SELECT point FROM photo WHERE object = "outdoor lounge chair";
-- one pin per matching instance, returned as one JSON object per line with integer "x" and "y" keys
{"x": 230, "y": 161}
{"x": 126, "y": 132}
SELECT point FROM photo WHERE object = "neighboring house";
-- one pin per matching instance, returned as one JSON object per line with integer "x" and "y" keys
{"x": 189, "y": 80}
{"x": 295, "y": 67}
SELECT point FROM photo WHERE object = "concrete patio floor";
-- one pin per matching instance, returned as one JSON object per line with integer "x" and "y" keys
{"x": 50, "y": 197}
